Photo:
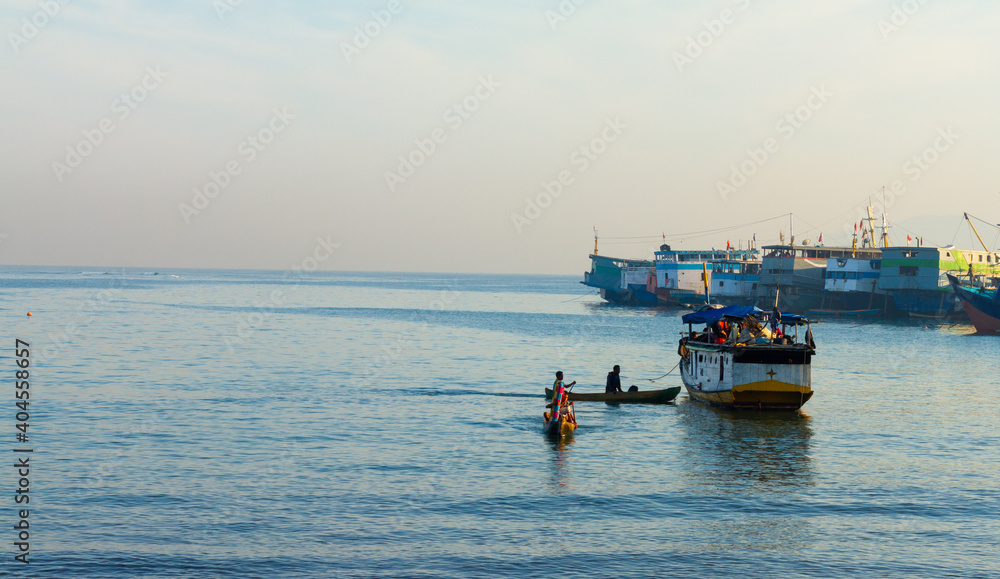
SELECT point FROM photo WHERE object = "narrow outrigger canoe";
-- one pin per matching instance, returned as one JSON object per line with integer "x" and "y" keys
{"x": 561, "y": 427}
{"x": 642, "y": 397}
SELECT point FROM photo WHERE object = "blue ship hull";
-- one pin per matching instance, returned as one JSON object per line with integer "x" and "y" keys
{"x": 982, "y": 306}
{"x": 925, "y": 303}
{"x": 608, "y": 274}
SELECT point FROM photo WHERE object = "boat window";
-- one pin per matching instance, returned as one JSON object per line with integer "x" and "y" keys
{"x": 720, "y": 284}
{"x": 908, "y": 270}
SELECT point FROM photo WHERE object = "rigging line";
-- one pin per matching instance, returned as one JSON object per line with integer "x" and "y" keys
{"x": 665, "y": 375}
{"x": 586, "y": 295}
{"x": 954, "y": 237}
{"x": 993, "y": 225}
{"x": 915, "y": 234}
{"x": 807, "y": 223}
{"x": 706, "y": 231}
{"x": 831, "y": 220}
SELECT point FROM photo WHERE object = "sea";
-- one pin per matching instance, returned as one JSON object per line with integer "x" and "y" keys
{"x": 219, "y": 423}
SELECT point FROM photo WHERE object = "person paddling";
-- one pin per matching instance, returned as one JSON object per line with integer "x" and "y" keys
{"x": 560, "y": 401}
{"x": 614, "y": 381}
{"x": 559, "y": 379}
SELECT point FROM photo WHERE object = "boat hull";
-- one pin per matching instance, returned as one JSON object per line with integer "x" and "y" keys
{"x": 768, "y": 377}
{"x": 983, "y": 310}
{"x": 642, "y": 397}
{"x": 558, "y": 428}
{"x": 767, "y": 395}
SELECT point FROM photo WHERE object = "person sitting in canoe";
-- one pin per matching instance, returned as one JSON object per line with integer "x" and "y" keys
{"x": 614, "y": 381}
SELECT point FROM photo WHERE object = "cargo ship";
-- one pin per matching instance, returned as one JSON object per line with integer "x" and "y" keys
{"x": 794, "y": 277}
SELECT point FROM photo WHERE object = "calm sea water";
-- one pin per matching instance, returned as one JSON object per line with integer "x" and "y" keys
{"x": 204, "y": 423}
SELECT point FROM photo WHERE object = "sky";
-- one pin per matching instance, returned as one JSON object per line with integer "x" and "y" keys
{"x": 454, "y": 136}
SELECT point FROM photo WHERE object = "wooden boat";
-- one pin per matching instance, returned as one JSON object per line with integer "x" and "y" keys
{"x": 560, "y": 419}
{"x": 748, "y": 369}
{"x": 642, "y": 397}
{"x": 559, "y": 428}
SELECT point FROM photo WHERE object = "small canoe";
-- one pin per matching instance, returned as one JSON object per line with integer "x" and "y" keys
{"x": 642, "y": 397}
{"x": 561, "y": 427}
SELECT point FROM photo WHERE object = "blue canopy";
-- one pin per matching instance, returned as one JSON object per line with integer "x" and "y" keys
{"x": 709, "y": 317}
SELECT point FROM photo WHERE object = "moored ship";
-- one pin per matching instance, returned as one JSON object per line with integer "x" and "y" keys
{"x": 748, "y": 366}
{"x": 795, "y": 277}
{"x": 621, "y": 281}
{"x": 916, "y": 278}
{"x": 682, "y": 275}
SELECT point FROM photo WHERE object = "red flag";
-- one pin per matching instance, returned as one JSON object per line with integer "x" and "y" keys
{"x": 908, "y": 238}
{"x": 820, "y": 238}
{"x": 855, "y": 228}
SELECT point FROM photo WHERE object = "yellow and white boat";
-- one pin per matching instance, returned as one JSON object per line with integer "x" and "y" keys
{"x": 747, "y": 367}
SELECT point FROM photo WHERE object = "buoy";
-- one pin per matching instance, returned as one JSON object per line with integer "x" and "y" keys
{"x": 29, "y": 314}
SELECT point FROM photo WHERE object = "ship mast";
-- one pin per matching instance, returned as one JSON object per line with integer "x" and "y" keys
{"x": 867, "y": 227}
{"x": 885, "y": 224}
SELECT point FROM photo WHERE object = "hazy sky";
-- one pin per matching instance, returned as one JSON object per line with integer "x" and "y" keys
{"x": 409, "y": 134}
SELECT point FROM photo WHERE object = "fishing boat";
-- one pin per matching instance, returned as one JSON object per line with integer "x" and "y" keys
{"x": 795, "y": 276}
{"x": 981, "y": 304}
{"x": 641, "y": 397}
{"x": 560, "y": 421}
{"x": 748, "y": 366}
